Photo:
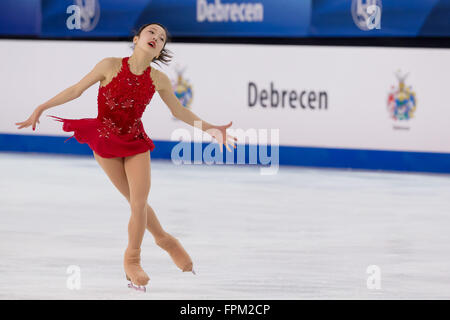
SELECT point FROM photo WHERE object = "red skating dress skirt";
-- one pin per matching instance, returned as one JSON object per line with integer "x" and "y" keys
{"x": 118, "y": 130}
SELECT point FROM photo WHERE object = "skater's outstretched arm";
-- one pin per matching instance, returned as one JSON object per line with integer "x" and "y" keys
{"x": 96, "y": 74}
{"x": 164, "y": 88}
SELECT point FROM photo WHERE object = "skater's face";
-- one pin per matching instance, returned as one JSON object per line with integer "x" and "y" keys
{"x": 151, "y": 39}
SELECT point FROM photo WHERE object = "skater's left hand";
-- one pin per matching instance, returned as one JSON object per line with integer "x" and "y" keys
{"x": 220, "y": 134}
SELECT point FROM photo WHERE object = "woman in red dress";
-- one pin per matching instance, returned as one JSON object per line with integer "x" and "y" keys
{"x": 118, "y": 139}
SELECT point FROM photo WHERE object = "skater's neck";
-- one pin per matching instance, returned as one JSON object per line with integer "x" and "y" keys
{"x": 139, "y": 62}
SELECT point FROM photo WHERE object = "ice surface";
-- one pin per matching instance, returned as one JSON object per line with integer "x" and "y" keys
{"x": 303, "y": 233}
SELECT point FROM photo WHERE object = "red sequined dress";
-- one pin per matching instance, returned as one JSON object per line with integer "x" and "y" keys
{"x": 118, "y": 130}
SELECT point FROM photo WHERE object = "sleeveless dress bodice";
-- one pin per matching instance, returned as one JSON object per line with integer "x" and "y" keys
{"x": 118, "y": 130}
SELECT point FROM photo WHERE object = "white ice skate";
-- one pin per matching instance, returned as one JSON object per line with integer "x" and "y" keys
{"x": 131, "y": 285}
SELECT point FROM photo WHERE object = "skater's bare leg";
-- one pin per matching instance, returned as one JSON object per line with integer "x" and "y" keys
{"x": 137, "y": 169}
{"x": 115, "y": 170}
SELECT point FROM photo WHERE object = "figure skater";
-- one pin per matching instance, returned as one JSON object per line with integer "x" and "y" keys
{"x": 119, "y": 142}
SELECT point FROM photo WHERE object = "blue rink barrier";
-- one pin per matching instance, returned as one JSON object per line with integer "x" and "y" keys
{"x": 288, "y": 155}
{"x": 226, "y": 18}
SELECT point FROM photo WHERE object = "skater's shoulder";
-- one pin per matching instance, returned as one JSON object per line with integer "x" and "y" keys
{"x": 160, "y": 79}
{"x": 113, "y": 61}
{"x": 110, "y": 62}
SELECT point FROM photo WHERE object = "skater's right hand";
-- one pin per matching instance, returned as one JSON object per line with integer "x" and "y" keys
{"x": 32, "y": 120}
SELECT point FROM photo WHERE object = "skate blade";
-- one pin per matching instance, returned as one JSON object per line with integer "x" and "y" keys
{"x": 131, "y": 285}
{"x": 193, "y": 271}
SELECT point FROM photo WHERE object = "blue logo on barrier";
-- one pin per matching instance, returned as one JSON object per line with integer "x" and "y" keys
{"x": 367, "y": 15}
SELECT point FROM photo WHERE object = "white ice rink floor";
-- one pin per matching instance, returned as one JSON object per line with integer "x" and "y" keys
{"x": 300, "y": 234}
